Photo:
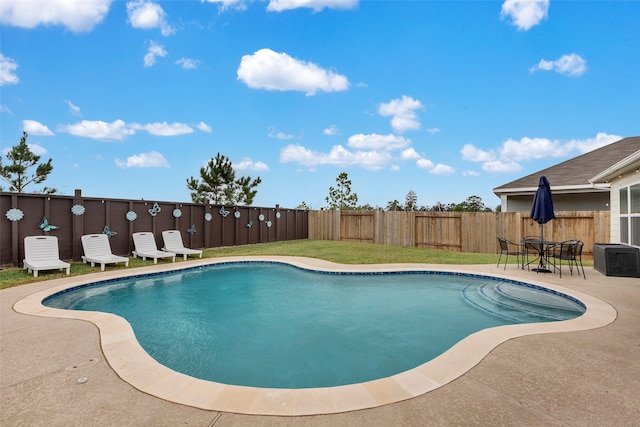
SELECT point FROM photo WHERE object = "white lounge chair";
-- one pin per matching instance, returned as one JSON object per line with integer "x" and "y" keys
{"x": 146, "y": 247}
{"x": 173, "y": 244}
{"x": 97, "y": 250}
{"x": 42, "y": 253}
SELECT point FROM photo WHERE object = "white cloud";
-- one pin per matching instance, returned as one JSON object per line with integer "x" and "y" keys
{"x": 424, "y": 164}
{"x": 5, "y": 109}
{"x": 97, "y": 129}
{"x": 338, "y": 156}
{"x": 331, "y": 130}
{"x": 76, "y": 15}
{"x": 274, "y": 133}
{"x": 532, "y": 148}
{"x": 470, "y": 173}
{"x": 119, "y": 130}
{"x": 36, "y": 128}
{"x": 378, "y": 142}
{"x": 73, "y": 109}
{"x": 266, "y": 69}
{"x": 410, "y": 154}
{"x": 601, "y": 139}
{"x": 7, "y": 70}
{"x": 441, "y": 169}
{"x": 316, "y": 5}
{"x": 498, "y": 166}
{"x": 433, "y": 130}
{"x": 153, "y": 52}
{"x": 525, "y": 14}
{"x": 572, "y": 65}
{"x": 403, "y": 112}
{"x": 228, "y": 4}
{"x": 188, "y": 63}
{"x": 164, "y": 128}
{"x": 147, "y": 15}
{"x": 204, "y": 127}
{"x": 37, "y": 149}
{"x": 152, "y": 159}
{"x": 473, "y": 154}
{"x": 514, "y": 151}
{"x": 248, "y": 164}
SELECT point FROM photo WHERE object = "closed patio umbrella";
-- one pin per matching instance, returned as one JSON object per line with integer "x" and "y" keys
{"x": 542, "y": 212}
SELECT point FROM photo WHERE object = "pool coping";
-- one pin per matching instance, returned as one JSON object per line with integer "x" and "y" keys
{"x": 136, "y": 367}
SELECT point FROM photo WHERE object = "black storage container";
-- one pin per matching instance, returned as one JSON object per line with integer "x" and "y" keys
{"x": 615, "y": 259}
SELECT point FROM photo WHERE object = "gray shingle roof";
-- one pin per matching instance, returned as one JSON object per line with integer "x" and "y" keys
{"x": 578, "y": 171}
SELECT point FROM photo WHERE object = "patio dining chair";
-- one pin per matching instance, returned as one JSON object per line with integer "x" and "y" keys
{"x": 507, "y": 248}
{"x": 570, "y": 251}
{"x": 533, "y": 245}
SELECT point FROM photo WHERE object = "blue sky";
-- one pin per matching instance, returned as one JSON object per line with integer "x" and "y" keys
{"x": 446, "y": 98}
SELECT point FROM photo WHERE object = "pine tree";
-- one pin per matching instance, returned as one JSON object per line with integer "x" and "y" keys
{"x": 219, "y": 184}
{"x": 17, "y": 173}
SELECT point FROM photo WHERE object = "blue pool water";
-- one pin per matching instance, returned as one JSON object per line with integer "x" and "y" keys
{"x": 274, "y": 325}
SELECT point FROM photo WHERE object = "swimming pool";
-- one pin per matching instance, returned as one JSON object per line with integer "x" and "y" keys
{"x": 265, "y": 324}
{"x": 134, "y": 365}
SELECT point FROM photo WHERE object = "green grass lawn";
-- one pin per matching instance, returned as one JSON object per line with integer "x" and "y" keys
{"x": 340, "y": 252}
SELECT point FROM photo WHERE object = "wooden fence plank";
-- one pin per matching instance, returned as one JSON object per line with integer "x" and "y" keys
{"x": 475, "y": 232}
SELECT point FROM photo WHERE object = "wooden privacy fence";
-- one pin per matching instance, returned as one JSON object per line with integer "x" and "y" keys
{"x": 201, "y": 225}
{"x": 456, "y": 231}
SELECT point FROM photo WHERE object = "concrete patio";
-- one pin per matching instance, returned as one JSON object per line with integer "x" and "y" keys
{"x": 573, "y": 378}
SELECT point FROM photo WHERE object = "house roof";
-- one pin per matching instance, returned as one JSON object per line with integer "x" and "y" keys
{"x": 578, "y": 173}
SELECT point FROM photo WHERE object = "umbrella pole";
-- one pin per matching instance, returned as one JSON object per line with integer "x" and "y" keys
{"x": 541, "y": 267}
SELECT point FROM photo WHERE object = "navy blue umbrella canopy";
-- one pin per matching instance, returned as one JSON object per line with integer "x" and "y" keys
{"x": 542, "y": 208}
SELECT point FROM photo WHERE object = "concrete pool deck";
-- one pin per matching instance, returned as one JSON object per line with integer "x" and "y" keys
{"x": 590, "y": 377}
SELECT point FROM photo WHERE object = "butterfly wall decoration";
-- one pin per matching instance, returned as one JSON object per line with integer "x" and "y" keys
{"x": 155, "y": 210}
{"x": 192, "y": 230}
{"x": 223, "y": 212}
{"x": 46, "y": 227}
{"x": 108, "y": 232}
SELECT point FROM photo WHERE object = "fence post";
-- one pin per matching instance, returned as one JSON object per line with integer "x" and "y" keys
{"x": 78, "y": 227}
{"x": 15, "y": 259}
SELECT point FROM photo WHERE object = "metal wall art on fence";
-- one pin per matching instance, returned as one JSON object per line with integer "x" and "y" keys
{"x": 77, "y": 215}
{"x": 46, "y": 227}
{"x": 108, "y": 232}
{"x": 14, "y": 214}
{"x": 77, "y": 210}
{"x": 155, "y": 210}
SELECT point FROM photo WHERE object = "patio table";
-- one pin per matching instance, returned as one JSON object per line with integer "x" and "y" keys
{"x": 541, "y": 247}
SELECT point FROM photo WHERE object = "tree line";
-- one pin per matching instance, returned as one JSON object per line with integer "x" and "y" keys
{"x": 342, "y": 198}
{"x": 218, "y": 184}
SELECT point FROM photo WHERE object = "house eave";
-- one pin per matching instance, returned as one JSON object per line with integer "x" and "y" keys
{"x": 625, "y": 166}
{"x": 560, "y": 189}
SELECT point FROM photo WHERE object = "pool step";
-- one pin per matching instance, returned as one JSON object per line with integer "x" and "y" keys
{"x": 520, "y": 304}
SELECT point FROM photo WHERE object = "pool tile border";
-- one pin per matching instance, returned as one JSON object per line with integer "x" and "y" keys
{"x": 136, "y": 367}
